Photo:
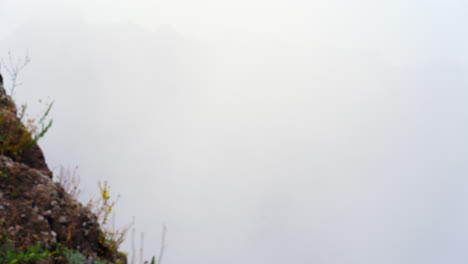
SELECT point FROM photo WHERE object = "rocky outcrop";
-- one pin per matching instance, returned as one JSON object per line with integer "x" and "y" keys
{"x": 34, "y": 209}
{"x": 16, "y": 141}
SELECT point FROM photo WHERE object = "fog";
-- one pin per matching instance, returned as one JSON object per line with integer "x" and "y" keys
{"x": 260, "y": 131}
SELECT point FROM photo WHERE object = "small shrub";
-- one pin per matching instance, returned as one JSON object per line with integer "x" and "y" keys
{"x": 102, "y": 207}
{"x": 9, "y": 255}
{"x": 73, "y": 256}
{"x": 14, "y": 137}
{"x": 38, "y": 127}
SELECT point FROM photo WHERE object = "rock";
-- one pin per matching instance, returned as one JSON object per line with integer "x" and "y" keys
{"x": 11, "y": 125}
{"x": 47, "y": 213}
{"x": 63, "y": 220}
{"x": 35, "y": 210}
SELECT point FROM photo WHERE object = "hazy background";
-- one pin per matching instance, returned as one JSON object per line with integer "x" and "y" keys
{"x": 261, "y": 132}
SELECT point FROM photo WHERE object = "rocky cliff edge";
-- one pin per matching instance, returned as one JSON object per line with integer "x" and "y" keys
{"x": 34, "y": 210}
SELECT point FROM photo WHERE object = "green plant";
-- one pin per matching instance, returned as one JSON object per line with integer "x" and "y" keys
{"x": 39, "y": 129}
{"x": 33, "y": 254}
{"x": 73, "y": 256}
{"x": 121, "y": 258}
{"x": 13, "y": 135}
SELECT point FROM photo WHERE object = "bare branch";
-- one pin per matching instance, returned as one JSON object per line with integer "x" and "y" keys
{"x": 13, "y": 68}
{"x": 70, "y": 180}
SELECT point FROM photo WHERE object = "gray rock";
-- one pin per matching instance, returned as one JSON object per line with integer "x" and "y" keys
{"x": 63, "y": 219}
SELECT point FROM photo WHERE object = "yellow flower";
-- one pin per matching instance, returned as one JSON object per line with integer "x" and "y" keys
{"x": 105, "y": 194}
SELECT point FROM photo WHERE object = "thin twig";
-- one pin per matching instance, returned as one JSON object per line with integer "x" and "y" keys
{"x": 13, "y": 68}
{"x": 132, "y": 261}
{"x": 142, "y": 245}
{"x": 163, "y": 244}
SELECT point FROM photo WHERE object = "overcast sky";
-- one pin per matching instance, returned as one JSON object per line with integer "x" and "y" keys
{"x": 325, "y": 132}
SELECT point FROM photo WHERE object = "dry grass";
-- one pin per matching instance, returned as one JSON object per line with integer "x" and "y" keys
{"x": 70, "y": 180}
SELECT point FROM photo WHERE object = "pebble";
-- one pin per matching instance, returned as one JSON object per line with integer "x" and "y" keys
{"x": 63, "y": 219}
